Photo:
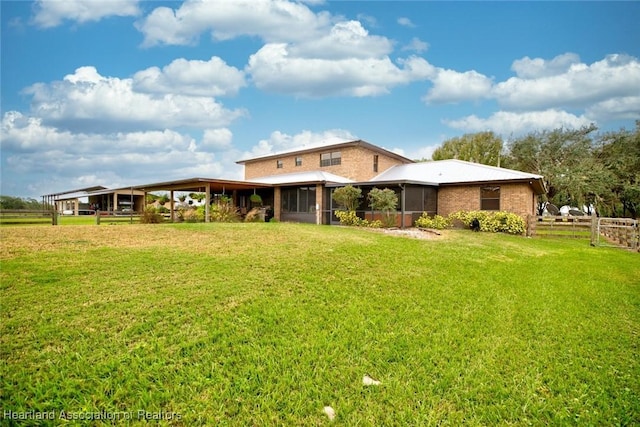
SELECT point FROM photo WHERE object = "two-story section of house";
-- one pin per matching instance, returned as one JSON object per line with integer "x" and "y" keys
{"x": 300, "y": 176}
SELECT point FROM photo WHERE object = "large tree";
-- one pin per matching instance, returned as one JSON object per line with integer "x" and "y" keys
{"x": 481, "y": 147}
{"x": 565, "y": 157}
{"x": 619, "y": 152}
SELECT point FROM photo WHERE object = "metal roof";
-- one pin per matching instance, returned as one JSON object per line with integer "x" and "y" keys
{"x": 445, "y": 172}
{"x": 302, "y": 177}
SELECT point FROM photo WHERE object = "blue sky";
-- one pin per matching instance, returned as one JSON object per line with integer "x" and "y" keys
{"x": 123, "y": 92}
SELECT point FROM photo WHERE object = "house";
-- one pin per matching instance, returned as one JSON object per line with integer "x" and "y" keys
{"x": 297, "y": 185}
{"x": 304, "y": 179}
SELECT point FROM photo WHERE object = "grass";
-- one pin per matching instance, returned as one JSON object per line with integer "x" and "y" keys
{"x": 265, "y": 324}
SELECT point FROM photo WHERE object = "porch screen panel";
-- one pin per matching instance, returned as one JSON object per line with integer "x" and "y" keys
{"x": 414, "y": 200}
{"x": 430, "y": 200}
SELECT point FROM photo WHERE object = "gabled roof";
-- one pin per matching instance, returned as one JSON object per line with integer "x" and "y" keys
{"x": 302, "y": 178}
{"x": 333, "y": 144}
{"x": 447, "y": 172}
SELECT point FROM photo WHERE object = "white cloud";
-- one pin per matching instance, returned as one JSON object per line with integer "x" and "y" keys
{"x": 527, "y": 68}
{"x": 273, "y": 69}
{"x": 620, "y": 108}
{"x": 508, "y": 123}
{"x": 87, "y": 101}
{"x": 114, "y": 159}
{"x": 194, "y": 78}
{"x": 347, "y": 39}
{"x": 580, "y": 85}
{"x": 416, "y": 45}
{"x": 217, "y": 139}
{"x": 452, "y": 86}
{"x": 49, "y": 13}
{"x": 406, "y": 22}
{"x": 280, "y": 141}
{"x": 273, "y": 21}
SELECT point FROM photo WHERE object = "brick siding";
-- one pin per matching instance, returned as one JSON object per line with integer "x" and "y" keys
{"x": 517, "y": 198}
{"x": 356, "y": 164}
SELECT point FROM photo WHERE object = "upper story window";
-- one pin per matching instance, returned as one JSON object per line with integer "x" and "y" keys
{"x": 375, "y": 163}
{"x": 490, "y": 198}
{"x": 330, "y": 159}
{"x": 279, "y": 164}
{"x": 298, "y": 161}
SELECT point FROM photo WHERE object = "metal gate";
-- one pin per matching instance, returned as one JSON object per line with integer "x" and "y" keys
{"x": 618, "y": 232}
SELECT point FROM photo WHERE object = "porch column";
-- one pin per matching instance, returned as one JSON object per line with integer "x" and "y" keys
{"x": 171, "y": 206}
{"x": 402, "y": 205}
{"x": 115, "y": 201}
{"x": 207, "y": 202}
{"x": 277, "y": 195}
{"x": 319, "y": 207}
{"x": 76, "y": 207}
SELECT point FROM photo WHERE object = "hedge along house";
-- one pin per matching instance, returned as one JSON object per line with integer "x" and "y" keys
{"x": 446, "y": 186}
{"x": 305, "y": 179}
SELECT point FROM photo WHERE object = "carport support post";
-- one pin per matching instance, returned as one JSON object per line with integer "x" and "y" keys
{"x": 173, "y": 217}
{"x": 207, "y": 202}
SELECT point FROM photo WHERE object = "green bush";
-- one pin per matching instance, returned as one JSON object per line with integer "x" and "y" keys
{"x": 151, "y": 216}
{"x": 494, "y": 222}
{"x": 223, "y": 210}
{"x": 351, "y": 219}
{"x": 193, "y": 215}
{"x": 438, "y": 222}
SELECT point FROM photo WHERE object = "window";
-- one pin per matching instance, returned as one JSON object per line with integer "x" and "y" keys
{"x": 375, "y": 163}
{"x": 330, "y": 159}
{"x": 490, "y": 198}
{"x": 298, "y": 161}
{"x": 279, "y": 164}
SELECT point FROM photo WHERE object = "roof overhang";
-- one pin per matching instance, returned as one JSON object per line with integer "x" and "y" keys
{"x": 201, "y": 185}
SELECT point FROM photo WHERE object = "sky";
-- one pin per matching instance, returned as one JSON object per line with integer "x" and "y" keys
{"x": 126, "y": 92}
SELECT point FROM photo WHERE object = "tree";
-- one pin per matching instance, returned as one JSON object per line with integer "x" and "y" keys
{"x": 565, "y": 157}
{"x": 10, "y": 202}
{"x": 348, "y": 196}
{"x": 386, "y": 201}
{"x": 481, "y": 147}
{"x": 619, "y": 152}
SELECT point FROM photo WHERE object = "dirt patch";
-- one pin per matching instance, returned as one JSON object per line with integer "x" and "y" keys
{"x": 414, "y": 233}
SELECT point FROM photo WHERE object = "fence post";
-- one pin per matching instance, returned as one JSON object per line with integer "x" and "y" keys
{"x": 54, "y": 217}
{"x": 594, "y": 230}
{"x": 97, "y": 217}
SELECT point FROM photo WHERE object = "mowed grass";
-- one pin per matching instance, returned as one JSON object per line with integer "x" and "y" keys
{"x": 265, "y": 324}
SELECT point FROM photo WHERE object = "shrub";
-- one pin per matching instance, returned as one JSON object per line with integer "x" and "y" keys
{"x": 351, "y": 219}
{"x": 193, "y": 215}
{"x": 494, "y": 222}
{"x": 438, "y": 222}
{"x": 386, "y": 201}
{"x": 347, "y": 196}
{"x": 223, "y": 210}
{"x": 253, "y": 215}
{"x": 151, "y": 216}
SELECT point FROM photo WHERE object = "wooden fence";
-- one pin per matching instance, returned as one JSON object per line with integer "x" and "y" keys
{"x": 113, "y": 217}
{"x": 620, "y": 232}
{"x": 26, "y": 217}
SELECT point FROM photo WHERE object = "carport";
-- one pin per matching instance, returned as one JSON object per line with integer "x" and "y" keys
{"x": 239, "y": 191}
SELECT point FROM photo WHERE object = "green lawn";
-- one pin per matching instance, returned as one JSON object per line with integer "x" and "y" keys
{"x": 265, "y": 324}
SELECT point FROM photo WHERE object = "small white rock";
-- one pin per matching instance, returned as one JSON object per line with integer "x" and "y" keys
{"x": 367, "y": 380}
{"x": 330, "y": 412}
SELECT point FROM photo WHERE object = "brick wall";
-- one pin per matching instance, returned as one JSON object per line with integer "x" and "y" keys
{"x": 517, "y": 198}
{"x": 356, "y": 164}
